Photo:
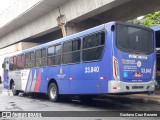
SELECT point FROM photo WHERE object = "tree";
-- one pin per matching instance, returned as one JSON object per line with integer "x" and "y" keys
{"x": 149, "y": 20}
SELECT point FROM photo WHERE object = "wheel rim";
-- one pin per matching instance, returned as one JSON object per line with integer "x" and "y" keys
{"x": 53, "y": 93}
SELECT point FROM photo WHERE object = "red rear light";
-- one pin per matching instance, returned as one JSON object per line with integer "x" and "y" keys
{"x": 115, "y": 88}
{"x": 116, "y": 69}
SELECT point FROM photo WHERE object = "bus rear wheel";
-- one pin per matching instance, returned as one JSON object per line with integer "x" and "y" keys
{"x": 53, "y": 92}
{"x": 14, "y": 91}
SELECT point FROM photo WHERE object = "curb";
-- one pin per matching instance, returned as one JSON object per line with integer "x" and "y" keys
{"x": 132, "y": 99}
{"x": 1, "y": 88}
{"x": 7, "y": 92}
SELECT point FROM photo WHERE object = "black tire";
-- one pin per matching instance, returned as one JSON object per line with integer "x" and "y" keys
{"x": 14, "y": 91}
{"x": 53, "y": 93}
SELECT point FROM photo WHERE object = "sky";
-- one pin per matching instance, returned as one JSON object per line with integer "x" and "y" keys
{"x": 4, "y": 4}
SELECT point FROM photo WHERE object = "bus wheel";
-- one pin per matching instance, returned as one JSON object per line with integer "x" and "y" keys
{"x": 53, "y": 92}
{"x": 14, "y": 91}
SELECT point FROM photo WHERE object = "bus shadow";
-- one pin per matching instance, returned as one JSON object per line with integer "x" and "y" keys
{"x": 103, "y": 104}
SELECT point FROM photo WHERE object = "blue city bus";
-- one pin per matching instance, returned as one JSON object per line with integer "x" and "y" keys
{"x": 113, "y": 58}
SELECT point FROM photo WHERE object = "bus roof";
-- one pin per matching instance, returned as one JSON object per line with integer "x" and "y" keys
{"x": 156, "y": 28}
{"x": 74, "y": 36}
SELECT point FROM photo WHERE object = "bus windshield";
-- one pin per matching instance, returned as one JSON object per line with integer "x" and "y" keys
{"x": 132, "y": 39}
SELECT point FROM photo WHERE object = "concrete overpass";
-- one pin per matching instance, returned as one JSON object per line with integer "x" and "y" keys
{"x": 36, "y": 20}
{"x": 28, "y": 19}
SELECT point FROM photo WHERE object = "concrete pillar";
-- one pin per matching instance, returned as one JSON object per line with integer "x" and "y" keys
{"x": 73, "y": 27}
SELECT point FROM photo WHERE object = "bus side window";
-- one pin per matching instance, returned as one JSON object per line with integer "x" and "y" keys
{"x": 43, "y": 60}
{"x": 11, "y": 63}
{"x": 93, "y": 46}
{"x": 54, "y": 55}
{"x": 23, "y": 61}
{"x": 14, "y": 63}
{"x": 27, "y": 58}
{"x": 38, "y": 58}
{"x": 32, "y": 61}
{"x": 71, "y": 51}
{"x": 58, "y": 51}
{"x": 50, "y": 55}
{"x": 19, "y": 62}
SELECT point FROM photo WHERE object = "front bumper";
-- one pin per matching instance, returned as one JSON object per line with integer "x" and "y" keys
{"x": 126, "y": 87}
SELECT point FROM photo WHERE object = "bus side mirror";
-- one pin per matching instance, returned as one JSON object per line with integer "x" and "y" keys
{"x": 3, "y": 65}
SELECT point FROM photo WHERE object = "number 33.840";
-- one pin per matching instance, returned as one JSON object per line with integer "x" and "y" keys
{"x": 91, "y": 69}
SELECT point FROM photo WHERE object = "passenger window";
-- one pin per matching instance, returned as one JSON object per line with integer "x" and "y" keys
{"x": 71, "y": 51}
{"x": 93, "y": 46}
{"x": 54, "y": 55}
{"x": 23, "y": 59}
{"x": 67, "y": 47}
{"x": 20, "y": 63}
{"x": 41, "y": 58}
{"x": 93, "y": 40}
{"x": 11, "y": 60}
{"x": 89, "y": 41}
{"x": 76, "y": 45}
{"x": 14, "y": 63}
{"x": 43, "y": 52}
{"x": 11, "y": 63}
{"x": 57, "y": 60}
{"x": 32, "y": 56}
{"x": 58, "y": 49}
{"x": 28, "y": 57}
{"x": 51, "y": 51}
{"x": 38, "y": 54}
{"x": 30, "y": 60}
{"x": 19, "y": 59}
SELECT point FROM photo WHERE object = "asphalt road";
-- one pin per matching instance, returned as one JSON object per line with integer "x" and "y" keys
{"x": 41, "y": 103}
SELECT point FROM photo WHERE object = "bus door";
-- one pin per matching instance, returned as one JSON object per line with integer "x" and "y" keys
{"x": 6, "y": 69}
